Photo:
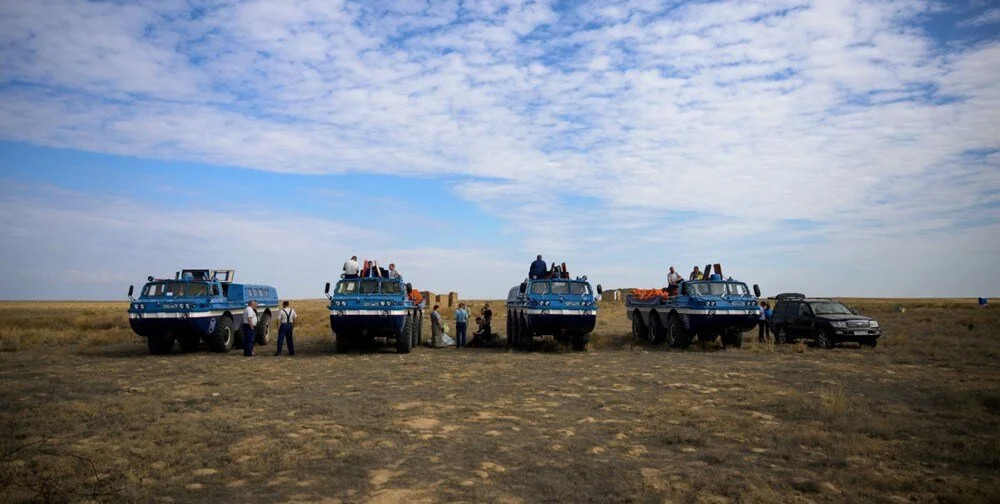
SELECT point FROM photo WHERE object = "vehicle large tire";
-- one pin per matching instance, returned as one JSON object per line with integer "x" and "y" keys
{"x": 222, "y": 338}
{"x": 732, "y": 339}
{"x": 343, "y": 343}
{"x": 823, "y": 339}
{"x": 523, "y": 334}
{"x": 189, "y": 342}
{"x": 262, "y": 333}
{"x": 656, "y": 331}
{"x": 780, "y": 335}
{"x": 420, "y": 327}
{"x": 404, "y": 340}
{"x": 510, "y": 329}
{"x": 638, "y": 326}
{"x": 160, "y": 344}
{"x": 580, "y": 341}
{"x": 677, "y": 333}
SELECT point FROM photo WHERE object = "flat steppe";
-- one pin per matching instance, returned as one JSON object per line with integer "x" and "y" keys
{"x": 86, "y": 415}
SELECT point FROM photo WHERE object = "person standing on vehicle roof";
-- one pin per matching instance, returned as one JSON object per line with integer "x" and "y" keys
{"x": 673, "y": 278}
{"x": 248, "y": 326}
{"x": 695, "y": 274}
{"x": 537, "y": 269}
{"x": 351, "y": 268}
{"x": 461, "y": 325}
{"x": 394, "y": 273}
{"x": 286, "y": 325}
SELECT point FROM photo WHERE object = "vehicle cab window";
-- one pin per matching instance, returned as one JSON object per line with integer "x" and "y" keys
{"x": 540, "y": 288}
{"x": 804, "y": 310}
{"x": 391, "y": 288}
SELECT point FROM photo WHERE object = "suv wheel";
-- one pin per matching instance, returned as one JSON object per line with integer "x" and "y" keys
{"x": 823, "y": 339}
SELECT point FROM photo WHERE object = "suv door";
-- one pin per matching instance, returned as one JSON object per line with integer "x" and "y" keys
{"x": 802, "y": 320}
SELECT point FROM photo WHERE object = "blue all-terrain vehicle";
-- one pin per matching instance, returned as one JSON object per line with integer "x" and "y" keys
{"x": 196, "y": 305}
{"x": 705, "y": 309}
{"x": 564, "y": 308}
{"x": 374, "y": 309}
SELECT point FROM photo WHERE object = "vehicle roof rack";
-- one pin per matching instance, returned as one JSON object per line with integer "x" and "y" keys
{"x": 789, "y": 295}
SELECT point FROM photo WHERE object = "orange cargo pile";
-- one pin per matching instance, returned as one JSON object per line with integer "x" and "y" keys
{"x": 648, "y": 294}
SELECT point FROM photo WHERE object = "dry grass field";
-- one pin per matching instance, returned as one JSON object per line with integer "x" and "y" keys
{"x": 86, "y": 415}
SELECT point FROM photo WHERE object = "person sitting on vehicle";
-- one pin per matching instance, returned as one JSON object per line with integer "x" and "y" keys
{"x": 351, "y": 268}
{"x": 537, "y": 269}
{"x": 673, "y": 278}
{"x": 393, "y": 272}
{"x": 695, "y": 274}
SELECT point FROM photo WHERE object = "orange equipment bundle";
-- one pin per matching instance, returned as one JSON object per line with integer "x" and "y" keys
{"x": 648, "y": 294}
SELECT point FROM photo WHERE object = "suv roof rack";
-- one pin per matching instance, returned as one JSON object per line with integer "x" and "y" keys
{"x": 789, "y": 295}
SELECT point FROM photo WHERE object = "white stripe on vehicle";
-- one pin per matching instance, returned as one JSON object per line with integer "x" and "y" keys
{"x": 370, "y": 311}
{"x": 543, "y": 311}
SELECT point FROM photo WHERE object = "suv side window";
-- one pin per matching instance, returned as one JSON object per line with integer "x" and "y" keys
{"x": 804, "y": 310}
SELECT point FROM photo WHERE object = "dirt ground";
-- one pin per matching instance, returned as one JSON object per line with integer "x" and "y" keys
{"x": 89, "y": 417}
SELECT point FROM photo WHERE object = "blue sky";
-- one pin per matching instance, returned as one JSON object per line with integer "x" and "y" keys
{"x": 832, "y": 147}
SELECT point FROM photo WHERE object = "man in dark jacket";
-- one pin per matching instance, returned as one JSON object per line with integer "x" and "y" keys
{"x": 537, "y": 269}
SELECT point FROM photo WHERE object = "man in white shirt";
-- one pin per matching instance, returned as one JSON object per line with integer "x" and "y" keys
{"x": 351, "y": 268}
{"x": 286, "y": 324}
{"x": 393, "y": 272}
{"x": 673, "y": 278}
{"x": 248, "y": 326}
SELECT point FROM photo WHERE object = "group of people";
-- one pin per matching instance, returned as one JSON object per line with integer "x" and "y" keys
{"x": 482, "y": 334}
{"x": 539, "y": 269}
{"x": 352, "y": 269}
{"x": 286, "y": 326}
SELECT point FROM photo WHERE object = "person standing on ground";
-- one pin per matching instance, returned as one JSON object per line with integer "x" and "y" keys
{"x": 437, "y": 327}
{"x": 763, "y": 331}
{"x": 461, "y": 325}
{"x": 487, "y": 319}
{"x": 767, "y": 315}
{"x": 351, "y": 268}
{"x": 537, "y": 269}
{"x": 286, "y": 325}
{"x": 248, "y": 326}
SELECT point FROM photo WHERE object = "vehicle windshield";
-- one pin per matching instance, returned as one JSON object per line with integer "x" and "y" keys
{"x": 174, "y": 289}
{"x": 560, "y": 288}
{"x": 540, "y": 288}
{"x": 367, "y": 286}
{"x": 391, "y": 288}
{"x": 719, "y": 289}
{"x": 830, "y": 308}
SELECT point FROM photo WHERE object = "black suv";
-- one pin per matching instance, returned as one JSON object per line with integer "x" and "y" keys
{"x": 824, "y": 321}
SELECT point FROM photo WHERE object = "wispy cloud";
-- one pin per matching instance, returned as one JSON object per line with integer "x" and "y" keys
{"x": 623, "y": 122}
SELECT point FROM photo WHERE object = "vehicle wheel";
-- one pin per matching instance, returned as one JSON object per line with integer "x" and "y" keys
{"x": 871, "y": 342}
{"x": 343, "y": 342}
{"x": 580, "y": 341}
{"x": 638, "y": 327}
{"x": 419, "y": 328}
{"x": 656, "y": 331}
{"x": 823, "y": 339}
{"x": 732, "y": 339}
{"x": 780, "y": 335}
{"x": 413, "y": 330}
{"x": 510, "y": 329}
{"x": 403, "y": 340}
{"x": 707, "y": 339}
{"x": 523, "y": 334}
{"x": 160, "y": 344}
{"x": 221, "y": 339}
{"x": 262, "y": 333}
{"x": 189, "y": 342}
{"x": 676, "y": 332}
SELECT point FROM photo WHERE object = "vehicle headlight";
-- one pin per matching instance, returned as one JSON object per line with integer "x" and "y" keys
{"x": 873, "y": 323}
{"x": 838, "y": 323}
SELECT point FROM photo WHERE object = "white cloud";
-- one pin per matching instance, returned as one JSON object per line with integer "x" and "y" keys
{"x": 741, "y": 114}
